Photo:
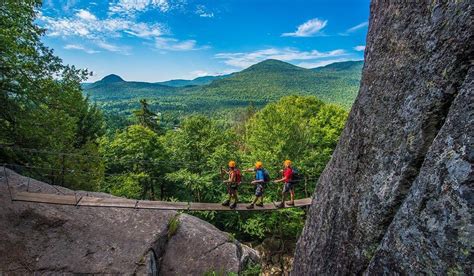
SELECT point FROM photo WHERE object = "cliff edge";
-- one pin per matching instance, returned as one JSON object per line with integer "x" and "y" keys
{"x": 397, "y": 195}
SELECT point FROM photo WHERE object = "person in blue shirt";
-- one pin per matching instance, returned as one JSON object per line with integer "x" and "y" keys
{"x": 259, "y": 183}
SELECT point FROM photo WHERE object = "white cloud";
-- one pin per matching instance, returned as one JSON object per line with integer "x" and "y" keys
{"x": 243, "y": 60}
{"x": 359, "y": 48}
{"x": 80, "y": 47}
{"x": 144, "y": 30}
{"x": 109, "y": 47}
{"x": 309, "y": 28}
{"x": 172, "y": 44}
{"x": 202, "y": 11}
{"x": 65, "y": 5}
{"x": 86, "y": 24}
{"x": 130, "y": 6}
{"x": 97, "y": 31}
{"x": 86, "y": 15}
{"x": 199, "y": 73}
{"x": 355, "y": 28}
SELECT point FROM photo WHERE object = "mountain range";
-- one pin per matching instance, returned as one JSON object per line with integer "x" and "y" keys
{"x": 259, "y": 84}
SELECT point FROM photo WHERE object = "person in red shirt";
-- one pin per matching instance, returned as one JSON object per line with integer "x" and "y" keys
{"x": 288, "y": 187}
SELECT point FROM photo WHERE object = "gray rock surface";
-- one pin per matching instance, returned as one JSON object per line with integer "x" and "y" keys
{"x": 397, "y": 193}
{"x": 64, "y": 239}
{"x": 221, "y": 252}
{"x": 432, "y": 232}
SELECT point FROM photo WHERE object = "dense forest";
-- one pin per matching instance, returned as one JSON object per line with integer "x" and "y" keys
{"x": 120, "y": 140}
{"x": 224, "y": 96}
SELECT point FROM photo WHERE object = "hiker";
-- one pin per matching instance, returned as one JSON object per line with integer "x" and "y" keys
{"x": 232, "y": 184}
{"x": 261, "y": 177}
{"x": 288, "y": 187}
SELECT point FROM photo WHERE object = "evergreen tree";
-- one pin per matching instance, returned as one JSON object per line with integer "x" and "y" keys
{"x": 147, "y": 118}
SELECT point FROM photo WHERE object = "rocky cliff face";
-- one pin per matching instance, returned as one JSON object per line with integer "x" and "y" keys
{"x": 397, "y": 194}
{"x": 64, "y": 239}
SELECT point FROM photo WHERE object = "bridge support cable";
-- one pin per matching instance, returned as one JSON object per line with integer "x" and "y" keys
{"x": 113, "y": 202}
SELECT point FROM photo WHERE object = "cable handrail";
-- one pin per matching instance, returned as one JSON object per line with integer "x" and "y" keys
{"x": 79, "y": 172}
{"x": 94, "y": 157}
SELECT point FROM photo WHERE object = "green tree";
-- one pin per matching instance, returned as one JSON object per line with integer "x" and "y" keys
{"x": 300, "y": 128}
{"x": 136, "y": 155}
{"x": 197, "y": 150}
{"x": 42, "y": 106}
{"x": 147, "y": 118}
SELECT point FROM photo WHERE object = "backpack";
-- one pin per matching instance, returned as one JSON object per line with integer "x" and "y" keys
{"x": 296, "y": 176}
{"x": 238, "y": 176}
{"x": 266, "y": 176}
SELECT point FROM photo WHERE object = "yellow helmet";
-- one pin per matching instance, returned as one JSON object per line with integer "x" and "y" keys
{"x": 287, "y": 163}
{"x": 258, "y": 165}
{"x": 232, "y": 164}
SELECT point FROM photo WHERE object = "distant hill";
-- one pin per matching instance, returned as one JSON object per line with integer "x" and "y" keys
{"x": 197, "y": 81}
{"x": 272, "y": 79}
{"x": 111, "y": 79}
{"x": 259, "y": 84}
{"x": 342, "y": 66}
{"x": 113, "y": 87}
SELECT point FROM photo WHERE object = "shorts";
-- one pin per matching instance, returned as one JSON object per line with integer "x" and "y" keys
{"x": 259, "y": 190}
{"x": 288, "y": 187}
{"x": 232, "y": 189}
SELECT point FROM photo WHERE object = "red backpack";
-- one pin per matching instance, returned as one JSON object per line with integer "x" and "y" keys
{"x": 238, "y": 176}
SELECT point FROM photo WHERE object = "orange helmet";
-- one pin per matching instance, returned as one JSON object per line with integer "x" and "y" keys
{"x": 287, "y": 163}
{"x": 258, "y": 165}
{"x": 232, "y": 164}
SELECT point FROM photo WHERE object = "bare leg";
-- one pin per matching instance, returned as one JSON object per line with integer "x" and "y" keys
{"x": 227, "y": 202}
{"x": 292, "y": 197}
{"x": 282, "y": 203}
{"x": 234, "y": 198}
{"x": 253, "y": 203}
{"x": 260, "y": 201}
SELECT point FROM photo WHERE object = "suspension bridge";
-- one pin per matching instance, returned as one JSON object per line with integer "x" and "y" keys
{"x": 84, "y": 199}
{"x": 90, "y": 201}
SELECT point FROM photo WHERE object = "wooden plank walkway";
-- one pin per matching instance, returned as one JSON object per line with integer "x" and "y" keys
{"x": 88, "y": 201}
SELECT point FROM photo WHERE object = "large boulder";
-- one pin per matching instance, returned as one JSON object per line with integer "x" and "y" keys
{"x": 66, "y": 239}
{"x": 397, "y": 195}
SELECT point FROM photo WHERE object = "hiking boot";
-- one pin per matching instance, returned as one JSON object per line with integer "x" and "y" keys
{"x": 259, "y": 204}
{"x": 250, "y": 206}
{"x": 233, "y": 205}
{"x": 291, "y": 203}
{"x": 225, "y": 203}
{"x": 281, "y": 205}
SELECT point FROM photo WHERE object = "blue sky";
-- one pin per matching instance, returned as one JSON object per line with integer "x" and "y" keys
{"x": 156, "y": 40}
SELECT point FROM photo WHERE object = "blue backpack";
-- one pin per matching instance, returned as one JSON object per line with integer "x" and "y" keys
{"x": 266, "y": 176}
{"x": 296, "y": 176}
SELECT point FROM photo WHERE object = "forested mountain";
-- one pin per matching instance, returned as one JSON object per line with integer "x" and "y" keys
{"x": 270, "y": 80}
{"x": 197, "y": 81}
{"x": 345, "y": 66}
{"x": 107, "y": 90}
{"x": 259, "y": 84}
